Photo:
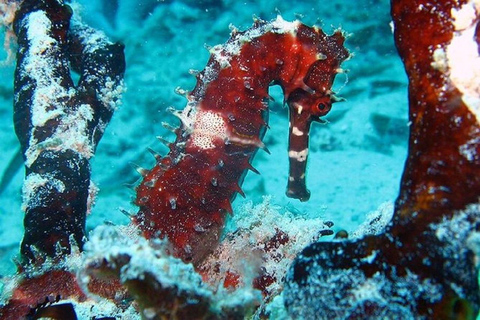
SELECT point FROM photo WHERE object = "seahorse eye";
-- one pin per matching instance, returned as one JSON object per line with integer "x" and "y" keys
{"x": 322, "y": 108}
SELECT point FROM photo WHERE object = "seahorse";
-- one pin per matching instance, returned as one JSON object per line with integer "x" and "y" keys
{"x": 187, "y": 194}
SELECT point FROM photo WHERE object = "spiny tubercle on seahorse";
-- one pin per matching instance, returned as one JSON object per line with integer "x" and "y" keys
{"x": 186, "y": 194}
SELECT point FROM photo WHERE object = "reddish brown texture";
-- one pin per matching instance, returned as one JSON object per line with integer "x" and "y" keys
{"x": 232, "y": 280}
{"x": 437, "y": 178}
{"x": 196, "y": 218}
{"x": 186, "y": 195}
{"x": 279, "y": 238}
{"x": 32, "y": 292}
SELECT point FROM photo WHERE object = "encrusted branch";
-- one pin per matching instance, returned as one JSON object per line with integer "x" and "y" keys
{"x": 59, "y": 123}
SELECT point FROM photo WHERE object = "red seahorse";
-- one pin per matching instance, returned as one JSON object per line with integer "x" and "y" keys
{"x": 186, "y": 195}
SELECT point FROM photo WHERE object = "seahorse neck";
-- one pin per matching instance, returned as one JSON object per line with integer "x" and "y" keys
{"x": 248, "y": 62}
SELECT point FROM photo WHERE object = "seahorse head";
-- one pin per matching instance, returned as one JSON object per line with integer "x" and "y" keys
{"x": 307, "y": 86}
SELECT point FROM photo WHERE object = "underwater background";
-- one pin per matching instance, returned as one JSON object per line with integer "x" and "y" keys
{"x": 356, "y": 158}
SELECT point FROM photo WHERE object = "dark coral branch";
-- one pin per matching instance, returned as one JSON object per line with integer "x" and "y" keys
{"x": 442, "y": 172}
{"x": 58, "y": 123}
{"x": 442, "y": 169}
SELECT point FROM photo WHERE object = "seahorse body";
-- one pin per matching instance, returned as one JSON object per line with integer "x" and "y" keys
{"x": 186, "y": 195}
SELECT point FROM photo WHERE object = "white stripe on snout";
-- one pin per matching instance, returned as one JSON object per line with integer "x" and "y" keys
{"x": 300, "y": 156}
{"x": 297, "y": 132}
